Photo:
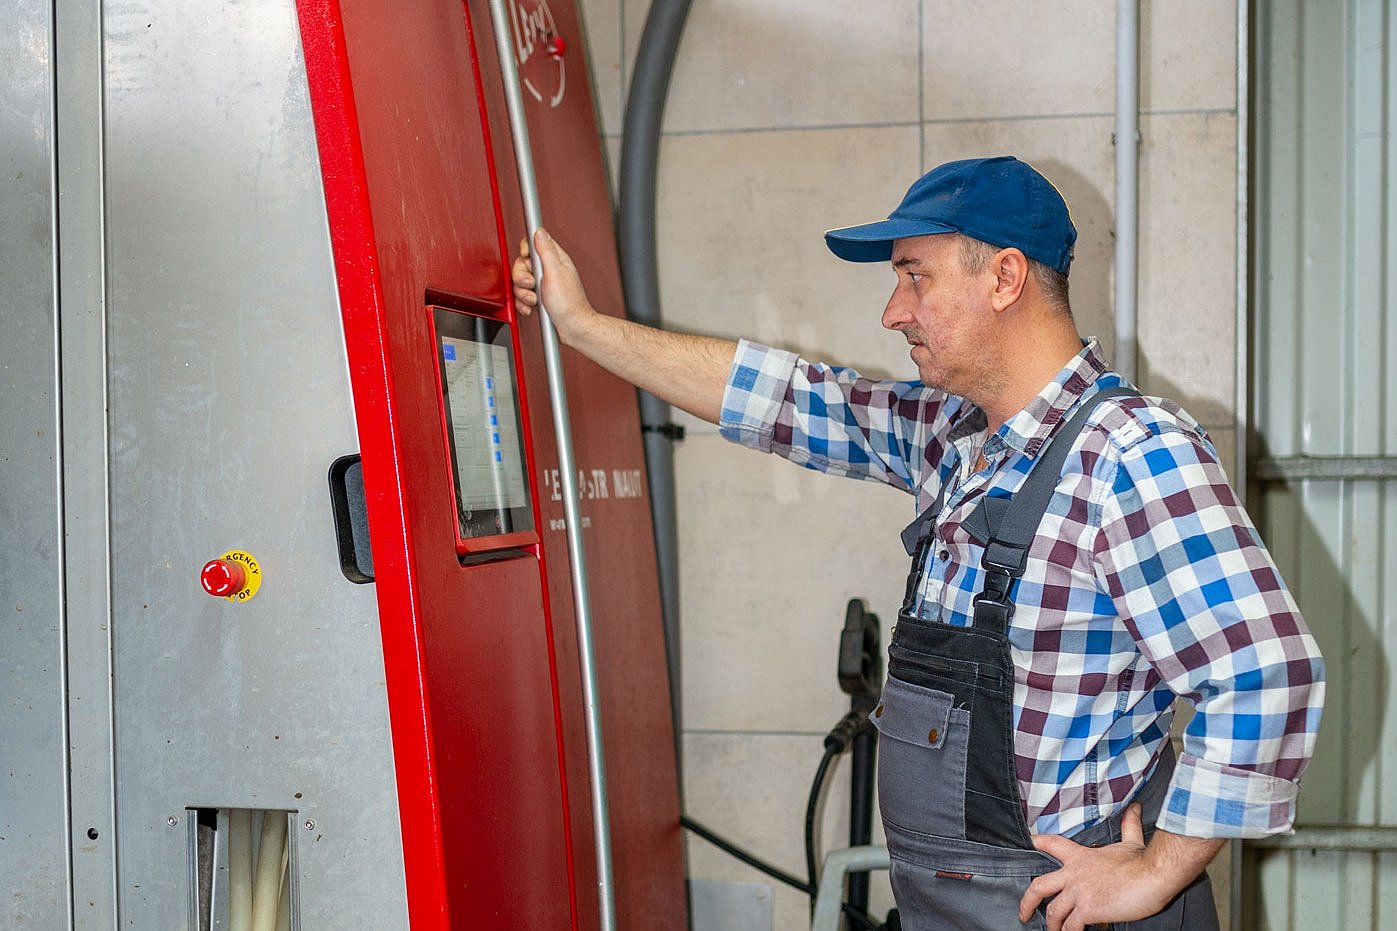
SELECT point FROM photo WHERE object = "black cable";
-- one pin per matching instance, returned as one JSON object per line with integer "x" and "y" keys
{"x": 836, "y": 742}
{"x": 859, "y": 917}
{"x": 727, "y": 847}
{"x": 811, "y": 867}
{"x": 842, "y": 734}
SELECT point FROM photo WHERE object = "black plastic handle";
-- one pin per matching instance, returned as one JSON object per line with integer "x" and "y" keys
{"x": 351, "y": 519}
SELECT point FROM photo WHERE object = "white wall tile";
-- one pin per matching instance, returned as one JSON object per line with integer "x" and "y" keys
{"x": 1188, "y": 55}
{"x": 1225, "y": 442}
{"x": 1001, "y": 58}
{"x": 1188, "y": 261}
{"x": 611, "y": 147}
{"x": 782, "y": 63}
{"x": 741, "y": 225}
{"x": 602, "y": 21}
{"x": 752, "y": 790}
{"x": 1220, "y": 874}
{"x": 1076, "y": 155}
{"x": 770, "y": 555}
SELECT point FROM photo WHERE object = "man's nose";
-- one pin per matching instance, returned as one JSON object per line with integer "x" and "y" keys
{"x": 896, "y": 311}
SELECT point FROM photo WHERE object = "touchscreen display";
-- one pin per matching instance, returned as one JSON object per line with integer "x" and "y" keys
{"x": 482, "y": 424}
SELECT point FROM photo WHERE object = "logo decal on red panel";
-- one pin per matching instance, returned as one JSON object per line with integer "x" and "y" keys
{"x": 540, "y": 50}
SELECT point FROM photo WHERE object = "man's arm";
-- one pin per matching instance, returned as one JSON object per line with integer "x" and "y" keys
{"x": 1119, "y": 882}
{"x": 1206, "y": 607}
{"x": 821, "y": 417}
{"x": 687, "y": 371}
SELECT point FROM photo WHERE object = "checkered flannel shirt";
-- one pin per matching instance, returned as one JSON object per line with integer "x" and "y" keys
{"x": 1146, "y": 581}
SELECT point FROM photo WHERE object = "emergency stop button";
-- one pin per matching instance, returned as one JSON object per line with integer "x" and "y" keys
{"x": 235, "y": 575}
{"x": 223, "y": 577}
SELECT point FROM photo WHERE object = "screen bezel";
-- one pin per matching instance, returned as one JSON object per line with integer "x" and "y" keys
{"x": 463, "y": 324}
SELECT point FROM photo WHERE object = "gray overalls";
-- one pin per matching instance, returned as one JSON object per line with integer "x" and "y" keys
{"x": 957, "y": 837}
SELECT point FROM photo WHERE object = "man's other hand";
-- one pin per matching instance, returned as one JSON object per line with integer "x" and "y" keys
{"x": 1125, "y": 881}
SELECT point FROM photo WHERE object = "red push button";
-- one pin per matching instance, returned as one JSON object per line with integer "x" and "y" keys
{"x": 557, "y": 46}
{"x": 223, "y": 578}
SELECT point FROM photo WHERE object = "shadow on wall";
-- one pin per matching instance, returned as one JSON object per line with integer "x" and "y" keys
{"x": 1340, "y": 787}
{"x": 1214, "y": 417}
{"x": 1090, "y": 276}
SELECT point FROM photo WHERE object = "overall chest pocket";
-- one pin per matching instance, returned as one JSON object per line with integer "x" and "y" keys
{"x": 923, "y": 746}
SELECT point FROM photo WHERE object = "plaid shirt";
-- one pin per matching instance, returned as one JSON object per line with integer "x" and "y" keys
{"x": 1146, "y": 581}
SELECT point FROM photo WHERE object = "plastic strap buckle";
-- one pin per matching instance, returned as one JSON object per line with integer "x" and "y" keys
{"x": 1003, "y": 563}
{"x": 993, "y": 616}
{"x": 996, "y": 590}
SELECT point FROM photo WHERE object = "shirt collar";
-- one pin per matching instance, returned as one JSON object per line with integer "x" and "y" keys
{"x": 1029, "y": 430}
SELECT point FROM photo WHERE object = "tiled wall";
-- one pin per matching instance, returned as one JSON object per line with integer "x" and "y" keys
{"x": 788, "y": 117}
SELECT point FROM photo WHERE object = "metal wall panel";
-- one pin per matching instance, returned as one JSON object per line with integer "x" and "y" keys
{"x": 33, "y": 765}
{"x": 1324, "y": 266}
{"x": 229, "y": 394}
{"x": 83, "y": 493}
{"x": 175, "y": 342}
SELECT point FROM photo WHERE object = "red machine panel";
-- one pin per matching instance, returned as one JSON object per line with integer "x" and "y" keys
{"x": 576, "y": 207}
{"x": 480, "y": 650}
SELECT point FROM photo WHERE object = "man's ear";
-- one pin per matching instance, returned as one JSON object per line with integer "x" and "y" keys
{"x": 1010, "y": 268}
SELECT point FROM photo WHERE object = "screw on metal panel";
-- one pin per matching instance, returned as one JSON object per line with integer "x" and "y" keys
{"x": 172, "y": 821}
{"x": 310, "y": 825}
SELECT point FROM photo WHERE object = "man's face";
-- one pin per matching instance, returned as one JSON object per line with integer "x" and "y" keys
{"x": 943, "y": 311}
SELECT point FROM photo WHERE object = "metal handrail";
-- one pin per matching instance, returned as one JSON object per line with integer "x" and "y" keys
{"x": 1332, "y": 468}
{"x": 1375, "y": 838}
{"x": 572, "y": 511}
{"x": 838, "y": 864}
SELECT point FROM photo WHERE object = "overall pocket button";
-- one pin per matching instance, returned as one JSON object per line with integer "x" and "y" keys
{"x": 933, "y": 736}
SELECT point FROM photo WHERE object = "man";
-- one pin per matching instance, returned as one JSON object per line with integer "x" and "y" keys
{"x": 1025, "y": 768}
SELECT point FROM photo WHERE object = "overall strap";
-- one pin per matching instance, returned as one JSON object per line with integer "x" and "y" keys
{"x": 1013, "y": 523}
{"x": 916, "y": 539}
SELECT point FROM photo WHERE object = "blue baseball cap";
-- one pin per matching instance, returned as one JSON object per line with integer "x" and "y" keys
{"x": 1001, "y": 201}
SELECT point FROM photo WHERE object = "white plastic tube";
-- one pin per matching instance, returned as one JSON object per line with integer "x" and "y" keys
{"x": 271, "y": 867}
{"x": 283, "y": 908}
{"x": 239, "y": 869}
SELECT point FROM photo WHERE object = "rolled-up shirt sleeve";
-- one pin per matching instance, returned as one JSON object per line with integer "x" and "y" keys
{"x": 832, "y": 419}
{"x": 1207, "y": 608}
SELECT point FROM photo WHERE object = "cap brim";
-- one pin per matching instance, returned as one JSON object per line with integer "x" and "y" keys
{"x": 873, "y": 242}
